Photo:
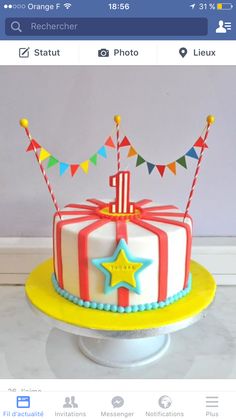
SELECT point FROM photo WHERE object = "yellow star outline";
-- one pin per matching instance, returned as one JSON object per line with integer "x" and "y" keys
{"x": 122, "y": 270}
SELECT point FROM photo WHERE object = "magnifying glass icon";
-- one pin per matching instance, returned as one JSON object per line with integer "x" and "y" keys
{"x": 15, "y": 26}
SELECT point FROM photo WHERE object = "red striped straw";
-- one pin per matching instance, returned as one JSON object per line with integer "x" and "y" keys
{"x": 210, "y": 121}
{"x": 117, "y": 120}
{"x": 24, "y": 124}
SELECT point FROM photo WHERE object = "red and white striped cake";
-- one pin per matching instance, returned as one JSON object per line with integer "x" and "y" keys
{"x": 122, "y": 256}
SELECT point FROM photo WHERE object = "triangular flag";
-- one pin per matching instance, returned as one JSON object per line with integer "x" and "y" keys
{"x": 44, "y": 154}
{"x": 109, "y": 143}
{"x": 33, "y": 143}
{"x": 73, "y": 169}
{"x": 63, "y": 168}
{"x": 102, "y": 152}
{"x": 172, "y": 167}
{"x": 150, "y": 167}
{"x": 161, "y": 169}
{"x": 51, "y": 162}
{"x": 139, "y": 161}
{"x": 93, "y": 159}
{"x": 192, "y": 153}
{"x": 85, "y": 166}
{"x": 200, "y": 142}
{"x": 125, "y": 142}
{"x": 182, "y": 162}
{"x": 132, "y": 152}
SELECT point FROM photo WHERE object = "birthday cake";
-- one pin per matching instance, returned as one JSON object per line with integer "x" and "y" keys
{"x": 122, "y": 262}
{"x": 121, "y": 256}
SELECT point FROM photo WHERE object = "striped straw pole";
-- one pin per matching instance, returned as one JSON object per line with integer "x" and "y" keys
{"x": 117, "y": 120}
{"x": 24, "y": 124}
{"x": 210, "y": 121}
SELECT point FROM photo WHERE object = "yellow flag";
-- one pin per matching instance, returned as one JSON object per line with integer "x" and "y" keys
{"x": 85, "y": 166}
{"x": 132, "y": 152}
{"x": 44, "y": 154}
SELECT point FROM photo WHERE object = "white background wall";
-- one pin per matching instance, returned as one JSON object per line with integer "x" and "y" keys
{"x": 71, "y": 113}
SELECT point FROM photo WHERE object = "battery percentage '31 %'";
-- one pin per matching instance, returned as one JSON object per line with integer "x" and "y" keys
{"x": 213, "y": 6}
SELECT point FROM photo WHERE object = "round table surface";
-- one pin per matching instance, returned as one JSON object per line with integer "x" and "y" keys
{"x": 95, "y": 323}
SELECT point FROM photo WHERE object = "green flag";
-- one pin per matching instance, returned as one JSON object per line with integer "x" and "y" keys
{"x": 139, "y": 161}
{"x": 93, "y": 159}
{"x": 182, "y": 162}
{"x": 51, "y": 162}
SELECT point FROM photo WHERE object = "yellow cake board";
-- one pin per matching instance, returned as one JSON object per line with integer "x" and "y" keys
{"x": 41, "y": 294}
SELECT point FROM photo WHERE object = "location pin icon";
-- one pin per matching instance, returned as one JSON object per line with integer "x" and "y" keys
{"x": 183, "y": 52}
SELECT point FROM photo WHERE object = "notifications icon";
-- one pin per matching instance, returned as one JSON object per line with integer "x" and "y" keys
{"x": 183, "y": 51}
{"x": 165, "y": 402}
{"x": 117, "y": 401}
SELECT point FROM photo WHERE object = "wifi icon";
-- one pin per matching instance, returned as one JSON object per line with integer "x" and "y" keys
{"x": 67, "y": 5}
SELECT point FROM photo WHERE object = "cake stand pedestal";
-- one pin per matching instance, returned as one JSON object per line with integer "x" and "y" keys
{"x": 120, "y": 340}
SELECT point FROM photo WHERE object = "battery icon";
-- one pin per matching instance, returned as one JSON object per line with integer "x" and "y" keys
{"x": 224, "y": 6}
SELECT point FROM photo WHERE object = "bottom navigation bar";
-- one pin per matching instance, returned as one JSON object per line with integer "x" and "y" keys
{"x": 190, "y": 399}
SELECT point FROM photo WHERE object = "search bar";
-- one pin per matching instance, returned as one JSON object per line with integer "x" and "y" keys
{"x": 106, "y": 27}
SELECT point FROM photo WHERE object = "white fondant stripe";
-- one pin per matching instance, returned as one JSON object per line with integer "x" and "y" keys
{"x": 125, "y": 192}
{"x": 144, "y": 244}
{"x": 120, "y": 192}
{"x": 96, "y": 250}
{"x": 176, "y": 256}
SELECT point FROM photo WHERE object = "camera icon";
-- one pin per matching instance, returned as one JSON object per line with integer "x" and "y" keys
{"x": 103, "y": 52}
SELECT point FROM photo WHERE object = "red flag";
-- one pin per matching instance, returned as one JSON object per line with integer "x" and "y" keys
{"x": 161, "y": 169}
{"x": 200, "y": 143}
{"x": 73, "y": 169}
{"x": 109, "y": 143}
{"x": 125, "y": 142}
{"x": 33, "y": 144}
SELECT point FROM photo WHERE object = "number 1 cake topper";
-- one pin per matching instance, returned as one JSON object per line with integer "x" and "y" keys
{"x": 121, "y": 180}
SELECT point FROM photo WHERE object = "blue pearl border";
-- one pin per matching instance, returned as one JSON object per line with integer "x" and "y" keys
{"x": 120, "y": 309}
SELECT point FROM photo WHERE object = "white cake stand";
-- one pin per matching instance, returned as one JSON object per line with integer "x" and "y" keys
{"x": 120, "y": 340}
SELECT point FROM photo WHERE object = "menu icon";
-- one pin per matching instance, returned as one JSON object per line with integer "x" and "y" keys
{"x": 212, "y": 402}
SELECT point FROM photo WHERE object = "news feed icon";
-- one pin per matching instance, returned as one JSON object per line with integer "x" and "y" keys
{"x": 103, "y": 52}
{"x": 23, "y": 402}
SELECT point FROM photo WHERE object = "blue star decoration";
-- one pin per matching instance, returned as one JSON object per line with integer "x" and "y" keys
{"x": 122, "y": 269}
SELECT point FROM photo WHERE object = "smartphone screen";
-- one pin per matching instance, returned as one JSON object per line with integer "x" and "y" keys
{"x": 117, "y": 226}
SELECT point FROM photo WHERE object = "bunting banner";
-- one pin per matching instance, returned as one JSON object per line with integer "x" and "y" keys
{"x": 161, "y": 168}
{"x": 44, "y": 155}
{"x": 73, "y": 168}
{"x": 102, "y": 152}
